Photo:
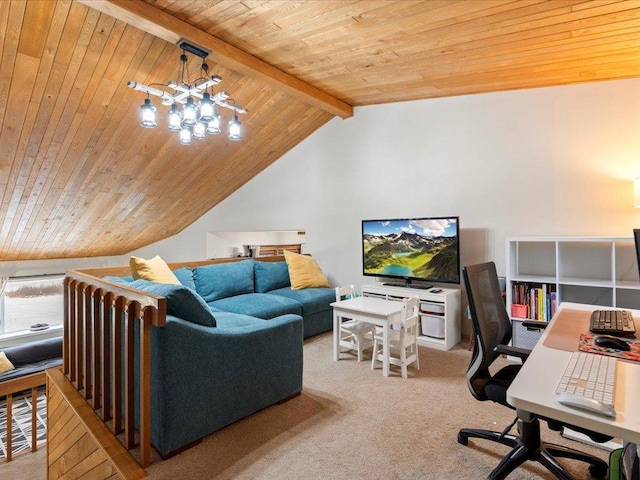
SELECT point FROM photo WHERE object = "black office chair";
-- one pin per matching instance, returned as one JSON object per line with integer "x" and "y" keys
{"x": 492, "y": 330}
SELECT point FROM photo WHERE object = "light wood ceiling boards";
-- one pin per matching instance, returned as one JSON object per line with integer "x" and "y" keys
{"x": 171, "y": 29}
{"x": 380, "y": 51}
{"x": 79, "y": 177}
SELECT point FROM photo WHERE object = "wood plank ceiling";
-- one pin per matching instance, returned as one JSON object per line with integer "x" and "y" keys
{"x": 80, "y": 177}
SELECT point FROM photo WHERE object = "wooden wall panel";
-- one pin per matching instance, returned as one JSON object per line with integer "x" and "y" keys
{"x": 80, "y": 177}
{"x": 79, "y": 445}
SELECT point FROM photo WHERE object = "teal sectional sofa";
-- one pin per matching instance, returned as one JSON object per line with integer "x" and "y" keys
{"x": 232, "y": 345}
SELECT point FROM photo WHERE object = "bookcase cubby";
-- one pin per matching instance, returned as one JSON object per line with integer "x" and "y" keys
{"x": 593, "y": 270}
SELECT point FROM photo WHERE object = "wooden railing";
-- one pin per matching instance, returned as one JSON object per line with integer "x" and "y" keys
{"x": 8, "y": 388}
{"x": 94, "y": 336}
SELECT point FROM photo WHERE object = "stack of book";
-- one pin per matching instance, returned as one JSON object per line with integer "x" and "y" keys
{"x": 533, "y": 301}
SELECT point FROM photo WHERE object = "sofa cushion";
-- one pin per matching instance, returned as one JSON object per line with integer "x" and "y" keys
{"x": 261, "y": 305}
{"x": 222, "y": 280}
{"x": 5, "y": 364}
{"x": 271, "y": 275}
{"x": 304, "y": 271}
{"x": 121, "y": 280}
{"x": 181, "y": 301}
{"x": 185, "y": 277}
{"x": 313, "y": 300}
{"x": 34, "y": 352}
{"x": 154, "y": 270}
{"x": 230, "y": 320}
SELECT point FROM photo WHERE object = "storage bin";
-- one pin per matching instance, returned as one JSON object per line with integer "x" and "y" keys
{"x": 432, "y": 325}
{"x": 518, "y": 311}
{"x": 430, "y": 307}
{"x": 524, "y": 337}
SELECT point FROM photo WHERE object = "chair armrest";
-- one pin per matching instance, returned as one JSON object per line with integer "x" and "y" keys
{"x": 522, "y": 353}
{"x": 535, "y": 324}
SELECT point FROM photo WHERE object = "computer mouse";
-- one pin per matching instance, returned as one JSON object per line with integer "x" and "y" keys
{"x": 611, "y": 342}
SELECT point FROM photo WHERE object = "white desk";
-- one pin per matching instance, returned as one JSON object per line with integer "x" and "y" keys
{"x": 533, "y": 390}
{"x": 377, "y": 311}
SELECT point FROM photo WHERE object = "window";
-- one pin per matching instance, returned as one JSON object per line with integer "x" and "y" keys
{"x": 28, "y": 301}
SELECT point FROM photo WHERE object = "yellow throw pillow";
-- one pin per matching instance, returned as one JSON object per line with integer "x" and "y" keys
{"x": 153, "y": 270}
{"x": 5, "y": 364}
{"x": 304, "y": 271}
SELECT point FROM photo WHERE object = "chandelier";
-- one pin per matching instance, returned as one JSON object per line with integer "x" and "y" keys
{"x": 193, "y": 108}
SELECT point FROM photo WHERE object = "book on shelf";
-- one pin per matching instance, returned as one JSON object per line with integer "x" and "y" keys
{"x": 540, "y": 300}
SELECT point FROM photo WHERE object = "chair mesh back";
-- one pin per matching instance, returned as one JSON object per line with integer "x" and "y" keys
{"x": 491, "y": 324}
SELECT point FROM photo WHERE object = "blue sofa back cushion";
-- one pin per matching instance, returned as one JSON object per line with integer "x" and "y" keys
{"x": 223, "y": 280}
{"x": 271, "y": 275}
{"x": 121, "y": 280}
{"x": 185, "y": 277}
{"x": 181, "y": 301}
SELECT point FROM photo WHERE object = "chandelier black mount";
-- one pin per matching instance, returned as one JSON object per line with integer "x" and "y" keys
{"x": 193, "y": 48}
{"x": 194, "y": 119}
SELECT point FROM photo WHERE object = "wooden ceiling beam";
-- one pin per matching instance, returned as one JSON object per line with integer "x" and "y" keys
{"x": 169, "y": 28}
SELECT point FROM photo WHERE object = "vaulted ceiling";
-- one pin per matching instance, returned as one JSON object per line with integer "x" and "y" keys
{"x": 80, "y": 177}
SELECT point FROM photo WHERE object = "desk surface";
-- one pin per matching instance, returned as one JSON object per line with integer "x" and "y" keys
{"x": 533, "y": 390}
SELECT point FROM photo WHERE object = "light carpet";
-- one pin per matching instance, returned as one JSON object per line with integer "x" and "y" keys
{"x": 351, "y": 422}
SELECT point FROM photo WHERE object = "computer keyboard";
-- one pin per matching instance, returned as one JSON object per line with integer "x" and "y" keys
{"x": 588, "y": 382}
{"x": 613, "y": 322}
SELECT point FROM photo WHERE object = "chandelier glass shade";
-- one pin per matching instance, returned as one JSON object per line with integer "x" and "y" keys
{"x": 193, "y": 111}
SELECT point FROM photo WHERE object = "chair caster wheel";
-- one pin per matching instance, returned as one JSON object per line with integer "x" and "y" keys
{"x": 462, "y": 440}
{"x": 598, "y": 471}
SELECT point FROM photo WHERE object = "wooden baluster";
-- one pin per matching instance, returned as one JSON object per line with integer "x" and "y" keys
{"x": 71, "y": 343}
{"x": 87, "y": 344}
{"x": 117, "y": 364}
{"x": 105, "y": 377}
{"x": 9, "y": 425}
{"x": 96, "y": 333}
{"x": 79, "y": 347}
{"x": 34, "y": 419}
{"x": 148, "y": 316}
{"x": 65, "y": 324}
{"x": 133, "y": 312}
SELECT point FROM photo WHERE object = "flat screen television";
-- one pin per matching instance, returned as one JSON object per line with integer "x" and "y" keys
{"x": 426, "y": 249}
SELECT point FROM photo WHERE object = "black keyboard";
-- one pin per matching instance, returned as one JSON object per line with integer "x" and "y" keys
{"x": 613, "y": 322}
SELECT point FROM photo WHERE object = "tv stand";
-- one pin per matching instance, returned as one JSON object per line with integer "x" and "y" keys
{"x": 408, "y": 285}
{"x": 439, "y": 312}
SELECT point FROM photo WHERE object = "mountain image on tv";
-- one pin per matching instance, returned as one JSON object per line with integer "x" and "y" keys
{"x": 424, "y": 249}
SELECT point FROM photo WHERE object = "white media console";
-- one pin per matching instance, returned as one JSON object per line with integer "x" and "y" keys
{"x": 439, "y": 312}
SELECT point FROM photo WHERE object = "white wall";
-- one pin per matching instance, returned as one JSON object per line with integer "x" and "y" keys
{"x": 552, "y": 161}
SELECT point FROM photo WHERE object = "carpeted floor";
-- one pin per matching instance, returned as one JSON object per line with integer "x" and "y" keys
{"x": 351, "y": 423}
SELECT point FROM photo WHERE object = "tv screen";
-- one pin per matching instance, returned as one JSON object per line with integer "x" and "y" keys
{"x": 412, "y": 249}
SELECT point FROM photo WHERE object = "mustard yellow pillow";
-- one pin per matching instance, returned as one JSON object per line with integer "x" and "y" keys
{"x": 5, "y": 364}
{"x": 153, "y": 270}
{"x": 304, "y": 271}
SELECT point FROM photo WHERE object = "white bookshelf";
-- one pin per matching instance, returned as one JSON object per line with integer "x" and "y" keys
{"x": 593, "y": 270}
{"x": 440, "y": 312}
